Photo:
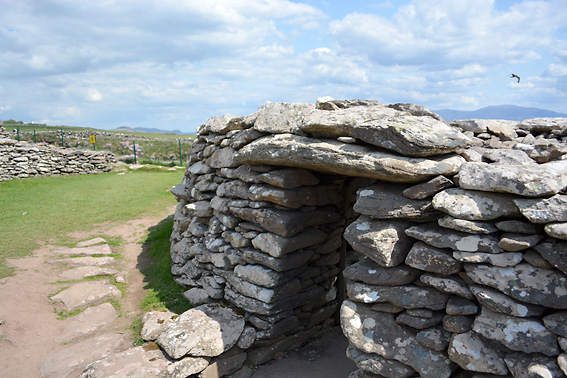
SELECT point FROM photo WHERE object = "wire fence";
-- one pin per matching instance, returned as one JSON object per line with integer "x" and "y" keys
{"x": 129, "y": 148}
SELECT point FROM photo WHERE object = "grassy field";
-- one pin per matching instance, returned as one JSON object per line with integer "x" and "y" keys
{"x": 46, "y": 210}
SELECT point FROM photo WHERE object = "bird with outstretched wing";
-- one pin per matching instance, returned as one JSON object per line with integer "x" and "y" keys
{"x": 516, "y": 76}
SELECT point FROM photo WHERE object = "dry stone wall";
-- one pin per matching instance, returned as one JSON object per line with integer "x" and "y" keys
{"x": 451, "y": 239}
{"x": 22, "y": 160}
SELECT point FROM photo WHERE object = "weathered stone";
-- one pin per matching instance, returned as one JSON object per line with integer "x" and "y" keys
{"x": 532, "y": 366}
{"x": 289, "y": 178}
{"x": 134, "y": 362}
{"x": 382, "y": 241}
{"x": 508, "y": 157}
{"x": 186, "y": 367}
{"x": 87, "y": 322}
{"x": 371, "y": 273}
{"x": 532, "y": 285}
{"x": 207, "y": 330}
{"x": 557, "y": 230}
{"x": 84, "y": 294}
{"x": 555, "y": 253}
{"x": 498, "y": 302}
{"x": 86, "y": 261}
{"x": 435, "y": 338}
{"x": 385, "y": 201}
{"x": 472, "y": 353}
{"x": 154, "y": 322}
{"x": 542, "y": 125}
{"x": 288, "y": 262}
{"x": 376, "y": 332}
{"x": 287, "y": 223}
{"x": 101, "y": 249}
{"x": 544, "y": 210}
{"x": 428, "y": 189}
{"x": 377, "y": 364}
{"x": 247, "y": 338}
{"x": 224, "y": 365}
{"x": 557, "y": 323}
{"x": 344, "y": 159}
{"x": 220, "y": 124}
{"x": 447, "y": 284}
{"x": 535, "y": 259}
{"x": 460, "y": 241}
{"x": 531, "y": 180}
{"x": 474, "y": 205}
{"x": 86, "y": 271}
{"x": 222, "y": 158}
{"x": 281, "y": 117}
{"x": 519, "y": 334}
{"x": 470, "y": 227}
{"x": 233, "y": 189}
{"x": 431, "y": 259}
{"x": 407, "y": 297}
{"x": 499, "y": 259}
{"x": 518, "y": 242}
{"x": 278, "y": 246}
{"x": 562, "y": 362}
{"x": 321, "y": 195}
{"x": 94, "y": 241}
{"x": 518, "y": 227}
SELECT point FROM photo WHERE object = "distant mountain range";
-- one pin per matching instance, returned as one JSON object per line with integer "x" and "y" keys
{"x": 510, "y": 112}
{"x": 146, "y": 130}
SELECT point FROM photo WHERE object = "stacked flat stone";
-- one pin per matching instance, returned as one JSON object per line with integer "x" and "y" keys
{"x": 435, "y": 289}
{"x": 22, "y": 160}
{"x": 466, "y": 273}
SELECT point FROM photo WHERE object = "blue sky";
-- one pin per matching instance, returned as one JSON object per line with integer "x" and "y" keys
{"x": 172, "y": 64}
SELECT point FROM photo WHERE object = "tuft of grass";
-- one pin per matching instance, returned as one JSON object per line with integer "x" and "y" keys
{"x": 37, "y": 211}
{"x": 162, "y": 291}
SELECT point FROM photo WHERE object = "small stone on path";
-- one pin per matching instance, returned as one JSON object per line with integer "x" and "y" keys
{"x": 86, "y": 271}
{"x": 90, "y": 242}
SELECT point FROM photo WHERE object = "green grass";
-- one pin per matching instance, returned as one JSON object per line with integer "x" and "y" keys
{"x": 45, "y": 210}
{"x": 162, "y": 291}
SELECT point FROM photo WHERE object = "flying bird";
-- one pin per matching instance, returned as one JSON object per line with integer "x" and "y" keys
{"x": 516, "y": 76}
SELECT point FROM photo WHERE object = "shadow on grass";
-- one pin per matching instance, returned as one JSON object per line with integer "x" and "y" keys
{"x": 162, "y": 292}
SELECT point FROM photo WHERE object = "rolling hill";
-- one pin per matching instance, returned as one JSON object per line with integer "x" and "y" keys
{"x": 510, "y": 112}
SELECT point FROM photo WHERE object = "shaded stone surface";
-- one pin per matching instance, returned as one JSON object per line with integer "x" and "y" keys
{"x": 382, "y": 241}
{"x": 371, "y": 273}
{"x": 319, "y": 195}
{"x": 284, "y": 222}
{"x": 447, "y": 284}
{"x": 557, "y": 323}
{"x": 377, "y": 364}
{"x": 435, "y": 338}
{"x": 518, "y": 242}
{"x": 346, "y": 159}
{"x": 288, "y": 262}
{"x": 532, "y": 366}
{"x": 208, "y": 330}
{"x": 278, "y": 246}
{"x": 475, "y": 205}
{"x": 428, "y": 189}
{"x": 377, "y": 332}
{"x": 519, "y": 334}
{"x": 496, "y": 259}
{"x": 431, "y": 259}
{"x": 555, "y": 253}
{"x": 289, "y": 178}
{"x": 385, "y": 201}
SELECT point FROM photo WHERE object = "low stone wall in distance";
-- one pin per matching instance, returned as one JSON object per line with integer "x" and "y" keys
{"x": 450, "y": 239}
{"x": 22, "y": 160}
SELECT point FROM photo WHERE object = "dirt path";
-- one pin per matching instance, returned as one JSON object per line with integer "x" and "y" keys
{"x": 29, "y": 325}
{"x": 31, "y": 332}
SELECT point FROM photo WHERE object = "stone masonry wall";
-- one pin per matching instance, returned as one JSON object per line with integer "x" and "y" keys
{"x": 450, "y": 238}
{"x": 22, "y": 160}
